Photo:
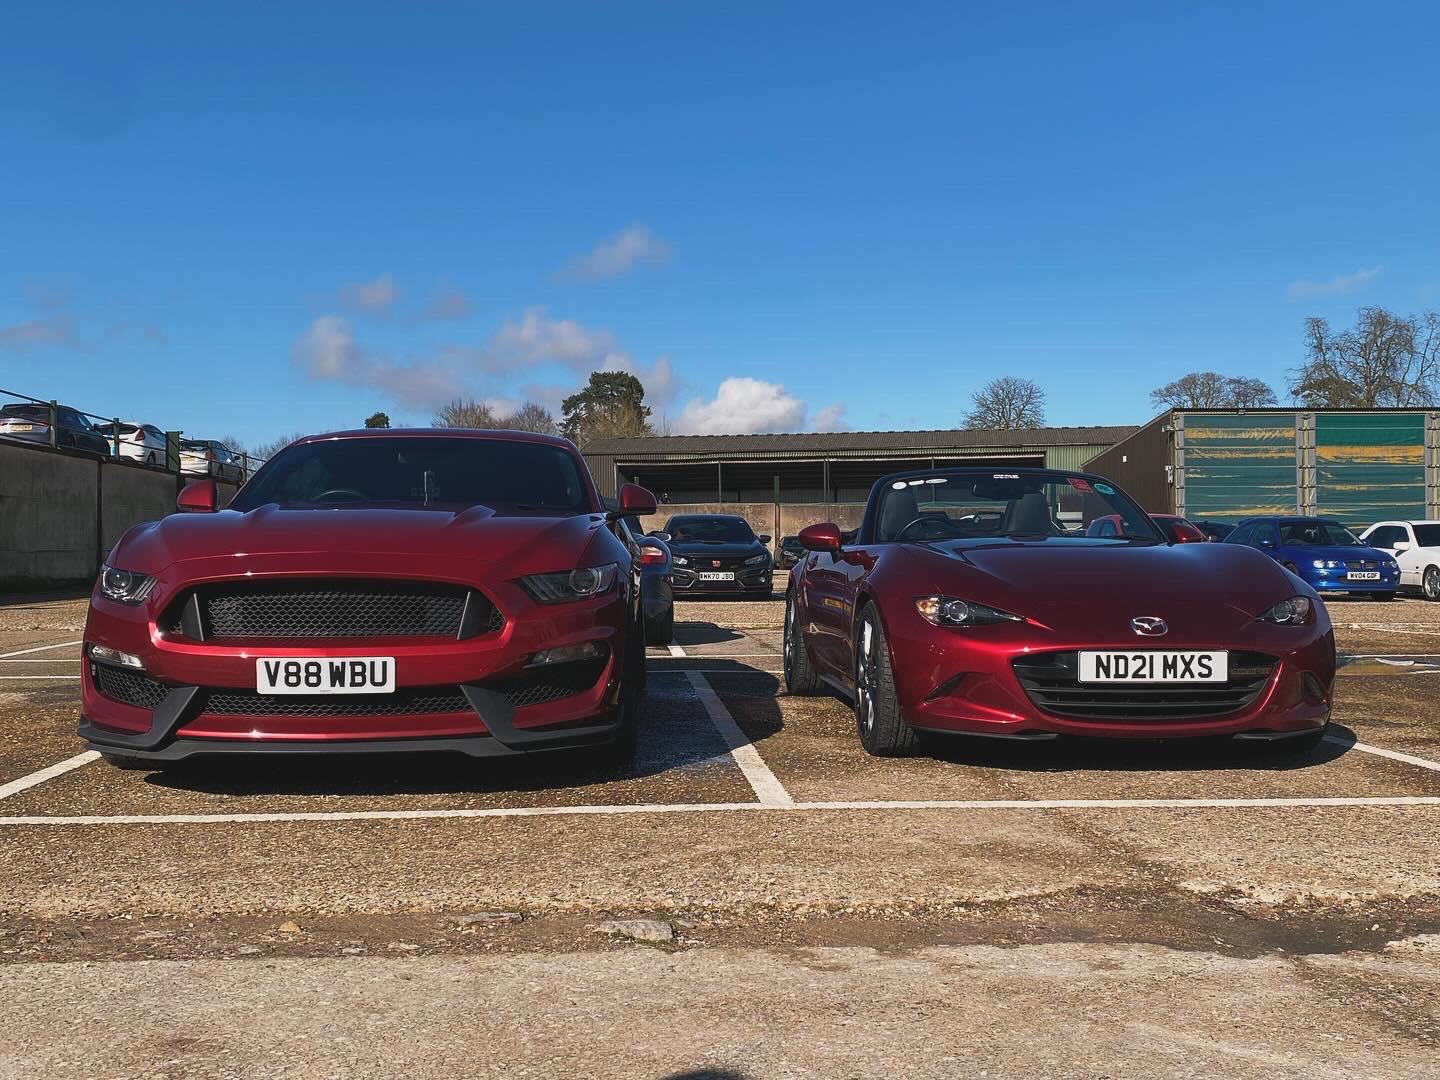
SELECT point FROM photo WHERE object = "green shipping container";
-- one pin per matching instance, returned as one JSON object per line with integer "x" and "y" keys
{"x": 1239, "y": 465}
{"x": 1370, "y": 466}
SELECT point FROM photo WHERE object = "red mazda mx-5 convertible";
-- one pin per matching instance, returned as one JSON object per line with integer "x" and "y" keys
{"x": 972, "y": 602}
{"x": 374, "y": 591}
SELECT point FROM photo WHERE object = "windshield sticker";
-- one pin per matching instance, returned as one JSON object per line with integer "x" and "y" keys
{"x": 1079, "y": 484}
{"x": 1104, "y": 489}
{"x": 1006, "y": 476}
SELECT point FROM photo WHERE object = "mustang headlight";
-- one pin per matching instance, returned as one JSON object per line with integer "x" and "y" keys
{"x": 756, "y": 560}
{"x": 570, "y": 585}
{"x": 947, "y": 611}
{"x": 1297, "y": 611}
{"x": 124, "y": 586}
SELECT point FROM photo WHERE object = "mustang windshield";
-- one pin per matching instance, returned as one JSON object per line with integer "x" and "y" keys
{"x": 960, "y": 505}
{"x": 420, "y": 471}
{"x": 1317, "y": 534}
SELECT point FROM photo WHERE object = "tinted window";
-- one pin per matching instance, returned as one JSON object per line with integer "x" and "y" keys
{"x": 710, "y": 530}
{"x": 1244, "y": 534}
{"x": 28, "y": 412}
{"x": 1386, "y": 536}
{"x": 1427, "y": 535}
{"x": 506, "y": 475}
{"x": 1316, "y": 534}
{"x": 949, "y": 505}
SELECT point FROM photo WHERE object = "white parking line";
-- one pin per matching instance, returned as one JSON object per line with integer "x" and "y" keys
{"x": 38, "y": 648}
{"x": 25, "y": 783}
{"x": 1418, "y": 801}
{"x": 676, "y": 650}
{"x": 763, "y": 782}
{"x": 1393, "y": 755}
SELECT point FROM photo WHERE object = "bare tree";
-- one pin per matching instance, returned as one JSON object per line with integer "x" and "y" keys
{"x": 466, "y": 413}
{"x": 265, "y": 451}
{"x": 1383, "y": 360}
{"x": 531, "y": 416}
{"x": 1211, "y": 390}
{"x": 1007, "y": 402}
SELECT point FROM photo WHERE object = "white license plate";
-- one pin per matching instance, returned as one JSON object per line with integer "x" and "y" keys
{"x": 1363, "y": 575}
{"x": 325, "y": 675}
{"x": 19, "y": 427}
{"x": 1154, "y": 666}
{"x": 716, "y": 575}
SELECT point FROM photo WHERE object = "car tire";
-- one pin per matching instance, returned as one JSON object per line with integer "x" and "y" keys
{"x": 130, "y": 763}
{"x": 618, "y": 754}
{"x": 661, "y": 633}
{"x": 877, "y": 710}
{"x": 1430, "y": 583}
{"x": 150, "y": 458}
{"x": 800, "y": 677}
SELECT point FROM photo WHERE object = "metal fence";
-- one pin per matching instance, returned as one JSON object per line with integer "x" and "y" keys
{"x": 62, "y": 427}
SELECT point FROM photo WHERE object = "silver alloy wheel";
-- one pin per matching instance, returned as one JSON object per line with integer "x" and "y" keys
{"x": 1432, "y": 583}
{"x": 865, "y": 677}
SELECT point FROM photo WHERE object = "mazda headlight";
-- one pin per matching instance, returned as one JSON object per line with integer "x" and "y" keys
{"x": 1297, "y": 611}
{"x": 124, "y": 586}
{"x": 947, "y": 611}
{"x": 570, "y": 585}
{"x": 756, "y": 560}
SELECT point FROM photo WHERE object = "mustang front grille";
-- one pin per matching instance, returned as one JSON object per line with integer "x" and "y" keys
{"x": 412, "y": 702}
{"x": 297, "y": 610}
{"x": 1051, "y": 683}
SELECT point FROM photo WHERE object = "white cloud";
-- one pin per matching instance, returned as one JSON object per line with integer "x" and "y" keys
{"x": 448, "y": 304}
{"x": 830, "y": 418}
{"x": 742, "y": 405}
{"x": 629, "y": 248}
{"x": 55, "y": 330}
{"x": 371, "y": 297}
{"x": 328, "y": 351}
{"x": 1340, "y": 283}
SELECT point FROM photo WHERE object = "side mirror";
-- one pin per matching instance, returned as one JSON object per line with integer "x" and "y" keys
{"x": 661, "y": 535}
{"x": 764, "y": 538}
{"x": 636, "y": 500}
{"x": 1401, "y": 545}
{"x": 198, "y": 497}
{"x": 821, "y": 538}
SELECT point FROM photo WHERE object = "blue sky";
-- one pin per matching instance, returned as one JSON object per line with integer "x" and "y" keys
{"x": 258, "y": 219}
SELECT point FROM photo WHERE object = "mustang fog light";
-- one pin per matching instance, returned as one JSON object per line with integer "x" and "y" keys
{"x": 106, "y": 655}
{"x": 947, "y": 611}
{"x": 590, "y": 650}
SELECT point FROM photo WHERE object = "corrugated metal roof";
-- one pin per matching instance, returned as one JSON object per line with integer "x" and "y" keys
{"x": 857, "y": 441}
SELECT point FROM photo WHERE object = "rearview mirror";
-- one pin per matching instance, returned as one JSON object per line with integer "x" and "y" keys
{"x": 198, "y": 497}
{"x": 635, "y": 499}
{"x": 821, "y": 538}
{"x": 661, "y": 535}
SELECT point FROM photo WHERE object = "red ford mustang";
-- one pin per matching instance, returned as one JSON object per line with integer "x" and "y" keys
{"x": 375, "y": 590}
{"x": 972, "y": 602}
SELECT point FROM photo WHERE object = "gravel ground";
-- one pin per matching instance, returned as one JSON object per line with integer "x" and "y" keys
{"x": 803, "y": 942}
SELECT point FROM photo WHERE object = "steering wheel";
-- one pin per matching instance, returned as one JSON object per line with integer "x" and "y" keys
{"x": 938, "y": 528}
{"x": 350, "y": 493}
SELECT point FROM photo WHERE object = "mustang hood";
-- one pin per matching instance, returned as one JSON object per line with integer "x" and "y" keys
{"x": 317, "y": 538}
{"x": 1032, "y": 577}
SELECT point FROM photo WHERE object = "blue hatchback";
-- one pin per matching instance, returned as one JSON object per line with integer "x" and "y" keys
{"x": 1323, "y": 553}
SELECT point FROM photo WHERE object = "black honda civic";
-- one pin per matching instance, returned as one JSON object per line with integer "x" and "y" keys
{"x": 718, "y": 553}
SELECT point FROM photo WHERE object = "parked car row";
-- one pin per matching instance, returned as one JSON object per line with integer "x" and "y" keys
{"x": 131, "y": 440}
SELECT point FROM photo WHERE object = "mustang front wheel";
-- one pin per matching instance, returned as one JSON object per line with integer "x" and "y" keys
{"x": 877, "y": 712}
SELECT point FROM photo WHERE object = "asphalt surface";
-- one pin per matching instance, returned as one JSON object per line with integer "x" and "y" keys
{"x": 1065, "y": 909}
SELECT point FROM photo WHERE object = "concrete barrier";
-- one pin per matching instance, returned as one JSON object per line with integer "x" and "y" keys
{"x": 62, "y": 511}
{"x": 49, "y": 516}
